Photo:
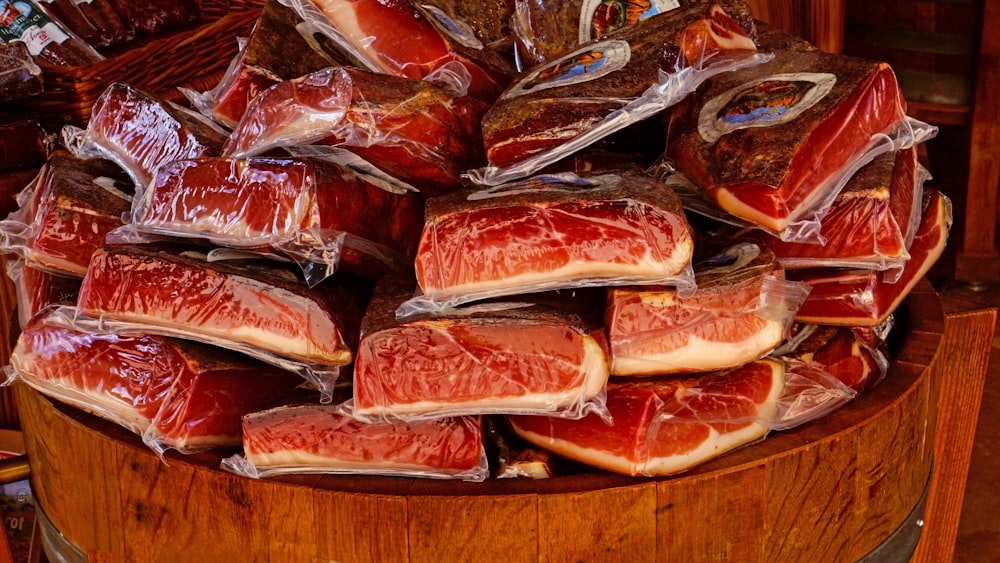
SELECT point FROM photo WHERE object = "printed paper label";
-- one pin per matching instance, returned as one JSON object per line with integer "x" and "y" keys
{"x": 23, "y": 21}
{"x": 598, "y": 18}
{"x": 765, "y": 102}
{"x": 582, "y": 65}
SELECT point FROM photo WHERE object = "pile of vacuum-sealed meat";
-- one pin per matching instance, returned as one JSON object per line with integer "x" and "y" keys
{"x": 475, "y": 240}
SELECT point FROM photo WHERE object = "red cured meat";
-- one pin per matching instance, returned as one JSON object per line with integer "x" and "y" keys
{"x": 768, "y": 143}
{"x": 552, "y": 232}
{"x": 321, "y": 439}
{"x": 740, "y": 311}
{"x": 553, "y": 103}
{"x": 546, "y": 29}
{"x": 666, "y": 425}
{"x": 850, "y": 297}
{"x": 147, "y": 285}
{"x": 180, "y": 394}
{"x": 37, "y": 289}
{"x": 870, "y": 223}
{"x": 293, "y": 204}
{"x": 238, "y": 87}
{"x": 76, "y": 204}
{"x": 843, "y": 352}
{"x": 140, "y": 132}
{"x": 409, "y": 128}
{"x": 532, "y": 359}
{"x": 396, "y": 38}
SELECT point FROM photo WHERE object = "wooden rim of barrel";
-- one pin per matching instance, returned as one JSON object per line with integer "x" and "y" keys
{"x": 833, "y": 489}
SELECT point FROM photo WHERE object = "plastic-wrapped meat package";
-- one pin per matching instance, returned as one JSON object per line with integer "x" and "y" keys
{"x": 774, "y": 144}
{"x": 396, "y": 38}
{"x": 411, "y": 129}
{"x": 312, "y": 438}
{"x": 20, "y": 77}
{"x": 854, "y": 297}
{"x": 854, "y": 355}
{"x": 529, "y": 359}
{"x": 49, "y": 40}
{"x": 603, "y": 87}
{"x": 35, "y": 289}
{"x": 547, "y": 29}
{"x": 549, "y": 232}
{"x": 478, "y": 25}
{"x": 175, "y": 393}
{"x": 668, "y": 424}
{"x": 261, "y": 63}
{"x": 742, "y": 309}
{"x": 310, "y": 210}
{"x": 140, "y": 132}
{"x": 23, "y": 143}
{"x": 870, "y": 223}
{"x": 12, "y": 184}
{"x": 262, "y": 311}
{"x": 73, "y": 205}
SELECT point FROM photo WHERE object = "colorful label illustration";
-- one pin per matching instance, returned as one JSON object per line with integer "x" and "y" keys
{"x": 23, "y": 21}
{"x": 598, "y": 18}
{"x": 583, "y": 65}
{"x": 768, "y": 101}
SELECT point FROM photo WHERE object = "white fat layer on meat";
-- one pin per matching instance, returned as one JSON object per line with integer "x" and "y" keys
{"x": 699, "y": 354}
{"x": 98, "y": 404}
{"x": 319, "y": 463}
{"x": 593, "y": 377}
{"x": 645, "y": 269}
{"x": 300, "y": 348}
{"x": 714, "y": 446}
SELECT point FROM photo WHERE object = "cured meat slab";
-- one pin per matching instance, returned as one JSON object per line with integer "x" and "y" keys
{"x": 20, "y": 77}
{"x": 852, "y": 297}
{"x": 37, "y": 289}
{"x": 531, "y": 359}
{"x": 870, "y": 223}
{"x": 769, "y": 143}
{"x": 179, "y": 394}
{"x": 148, "y": 285}
{"x": 313, "y": 438}
{"x": 299, "y": 206}
{"x": 558, "y": 101}
{"x": 140, "y": 131}
{"x": 547, "y": 29}
{"x": 394, "y": 37}
{"x": 76, "y": 203}
{"x": 409, "y": 128}
{"x": 847, "y": 353}
{"x": 552, "y": 231}
{"x": 741, "y": 310}
{"x": 666, "y": 425}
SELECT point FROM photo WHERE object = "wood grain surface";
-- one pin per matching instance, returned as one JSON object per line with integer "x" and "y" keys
{"x": 832, "y": 490}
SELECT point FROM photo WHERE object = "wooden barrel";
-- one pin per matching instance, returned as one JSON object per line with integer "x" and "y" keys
{"x": 831, "y": 490}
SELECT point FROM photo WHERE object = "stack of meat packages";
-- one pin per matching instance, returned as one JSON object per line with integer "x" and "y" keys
{"x": 460, "y": 240}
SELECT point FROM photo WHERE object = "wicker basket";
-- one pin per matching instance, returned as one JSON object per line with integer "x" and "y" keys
{"x": 195, "y": 57}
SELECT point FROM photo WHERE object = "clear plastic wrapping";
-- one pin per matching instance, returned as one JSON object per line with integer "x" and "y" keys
{"x": 140, "y": 132}
{"x": 550, "y": 232}
{"x": 775, "y": 144}
{"x": 322, "y": 214}
{"x": 500, "y": 358}
{"x": 811, "y": 392}
{"x": 667, "y": 425}
{"x": 852, "y": 297}
{"x": 36, "y": 289}
{"x": 20, "y": 77}
{"x": 176, "y": 394}
{"x": 394, "y": 38}
{"x": 857, "y": 356}
{"x": 66, "y": 214}
{"x": 411, "y": 129}
{"x": 240, "y": 306}
{"x": 742, "y": 309}
{"x": 310, "y": 438}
